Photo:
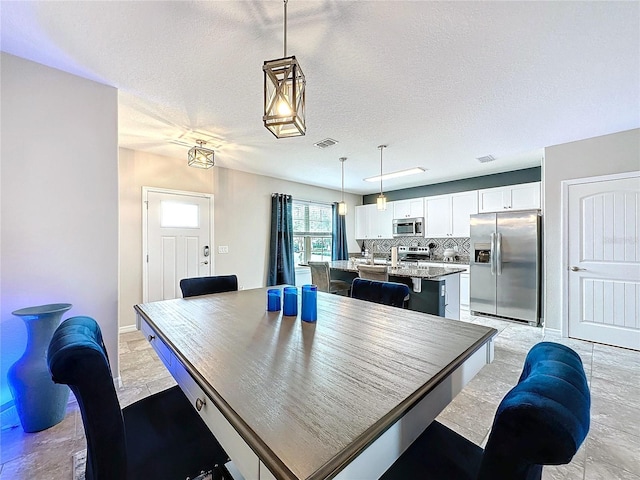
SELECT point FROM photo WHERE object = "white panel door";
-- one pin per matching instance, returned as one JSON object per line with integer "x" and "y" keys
{"x": 178, "y": 241}
{"x": 604, "y": 261}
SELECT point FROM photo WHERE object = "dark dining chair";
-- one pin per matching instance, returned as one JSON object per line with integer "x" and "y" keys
{"x": 543, "y": 420}
{"x": 159, "y": 437}
{"x": 387, "y": 293}
{"x": 321, "y": 276}
{"x": 192, "y": 287}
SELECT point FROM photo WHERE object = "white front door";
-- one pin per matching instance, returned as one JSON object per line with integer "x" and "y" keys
{"x": 603, "y": 271}
{"x": 177, "y": 240}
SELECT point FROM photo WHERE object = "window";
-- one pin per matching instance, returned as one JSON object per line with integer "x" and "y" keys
{"x": 311, "y": 232}
{"x": 178, "y": 215}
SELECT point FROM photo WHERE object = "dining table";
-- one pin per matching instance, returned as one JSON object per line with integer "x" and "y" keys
{"x": 341, "y": 397}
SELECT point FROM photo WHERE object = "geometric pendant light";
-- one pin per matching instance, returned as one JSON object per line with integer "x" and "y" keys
{"x": 201, "y": 157}
{"x": 284, "y": 94}
{"x": 342, "y": 206}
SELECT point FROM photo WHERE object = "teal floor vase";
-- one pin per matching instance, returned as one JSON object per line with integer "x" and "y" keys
{"x": 40, "y": 403}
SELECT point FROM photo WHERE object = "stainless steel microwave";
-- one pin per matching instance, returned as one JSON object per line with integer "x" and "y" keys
{"x": 408, "y": 227}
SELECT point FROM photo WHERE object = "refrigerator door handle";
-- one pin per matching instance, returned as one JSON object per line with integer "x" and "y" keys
{"x": 499, "y": 253}
{"x": 492, "y": 256}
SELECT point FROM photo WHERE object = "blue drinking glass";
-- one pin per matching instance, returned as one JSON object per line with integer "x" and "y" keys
{"x": 290, "y": 301}
{"x": 309, "y": 303}
{"x": 274, "y": 296}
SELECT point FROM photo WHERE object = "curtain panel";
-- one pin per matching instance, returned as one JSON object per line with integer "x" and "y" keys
{"x": 281, "y": 266}
{"x": 339, "y": 249}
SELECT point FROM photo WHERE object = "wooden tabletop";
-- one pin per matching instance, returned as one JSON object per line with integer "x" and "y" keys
{"x": 308, "y": 397}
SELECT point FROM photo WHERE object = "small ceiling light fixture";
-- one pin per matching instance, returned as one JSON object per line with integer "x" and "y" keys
{"x": 381, "y": 201}
{"x": 284, "y": 94}
{"x": 342, "y": 206}
{"x": 399, "y": 173}
{"x": 201, "y": 157}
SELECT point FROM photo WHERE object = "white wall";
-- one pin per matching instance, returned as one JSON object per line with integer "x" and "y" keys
{"x": 608, "y": 154}
{"x": 59, "y": 201}
{"x": 242, "y": 212}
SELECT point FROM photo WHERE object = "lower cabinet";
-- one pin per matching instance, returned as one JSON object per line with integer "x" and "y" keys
{"x": 464, "y": 291}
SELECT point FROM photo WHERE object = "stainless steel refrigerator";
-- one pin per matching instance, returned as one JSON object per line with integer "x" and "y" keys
{"x": 505, "y": 265}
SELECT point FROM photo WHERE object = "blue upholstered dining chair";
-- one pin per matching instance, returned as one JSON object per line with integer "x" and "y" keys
{"x": 388, "y": 293}
{"x": 192, "y": 287}
{"x": 159, "y": 437}
{"x": 543, "y": 420}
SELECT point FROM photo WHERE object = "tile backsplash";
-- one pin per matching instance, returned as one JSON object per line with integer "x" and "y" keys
{"x": 383, "y": 246}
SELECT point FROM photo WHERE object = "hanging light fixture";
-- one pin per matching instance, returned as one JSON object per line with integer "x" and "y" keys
{"x": 381, "y": 201}
{"x": 342, "y": 206}
{"x": 201, "y": 157}
{"x": 284, "y": 94}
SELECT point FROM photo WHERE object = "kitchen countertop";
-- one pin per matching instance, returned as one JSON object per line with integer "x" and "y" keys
{"x": 426, "y": 273}
{"x": 464, "y": 260}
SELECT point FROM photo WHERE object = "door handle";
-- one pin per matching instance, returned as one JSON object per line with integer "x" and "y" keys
{"x": 492, "y": 254}
{"x": 499, "y": 253}
{"x": 577, "y": 269}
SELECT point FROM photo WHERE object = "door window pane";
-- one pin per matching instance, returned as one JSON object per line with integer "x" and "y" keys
{"x": 179, "y": 215}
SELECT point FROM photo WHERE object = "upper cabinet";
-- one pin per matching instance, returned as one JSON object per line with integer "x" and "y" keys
{"x": 411, "y": 208}
{"x": 448, "y": 215}
{"x": 372, "y": 223}
{"x": 524, "y": 196}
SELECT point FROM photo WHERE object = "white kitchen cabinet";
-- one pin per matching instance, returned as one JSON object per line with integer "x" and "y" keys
{"x": 464, "y": 291}
{"x": 524, "y": 196}
{"x": 372, "y": 223}
{"x": 448, "y": 215}
{"x": 411, "y": 208}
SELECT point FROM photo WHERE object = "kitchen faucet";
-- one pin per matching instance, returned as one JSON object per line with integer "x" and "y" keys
{"x": 373, "y": 250}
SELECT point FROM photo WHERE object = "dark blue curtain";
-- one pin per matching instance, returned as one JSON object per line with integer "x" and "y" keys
{"x": 281, "y": 268}
{"x": 339, "y": 250}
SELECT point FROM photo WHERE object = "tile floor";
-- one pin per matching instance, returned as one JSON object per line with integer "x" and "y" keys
{"x": 610, "y": 452}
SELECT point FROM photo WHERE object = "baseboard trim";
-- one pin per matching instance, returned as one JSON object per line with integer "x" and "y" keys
{"x": 128, "y": 329}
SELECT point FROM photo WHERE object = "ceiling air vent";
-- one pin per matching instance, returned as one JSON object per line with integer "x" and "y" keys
{"x": 486, "y": 158}
{"x": 327, "y": 142}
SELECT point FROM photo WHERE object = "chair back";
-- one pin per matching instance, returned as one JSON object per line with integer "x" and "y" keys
{"x": 320, "y": 275}
{"x": 192, "y": 287}
{"x": 543, "y": 420}
{"x": 374, "y": 272}
{"x": 77, "y": 357}
{"x": 387, "y": 293}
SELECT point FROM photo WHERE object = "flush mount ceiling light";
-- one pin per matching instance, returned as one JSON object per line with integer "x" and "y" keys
{"x": 201, "y": 157}
{"x": 381, "y": 201}
{"x": 342, "y": 206}
{"x": 399, "y": 173}
{"x": 284, "y": 94}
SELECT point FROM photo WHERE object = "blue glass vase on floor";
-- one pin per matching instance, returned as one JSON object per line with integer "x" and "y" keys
{"x": 40, "y": 403}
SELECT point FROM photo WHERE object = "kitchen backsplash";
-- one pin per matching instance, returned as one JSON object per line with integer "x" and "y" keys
{"x": 383, "y": 246}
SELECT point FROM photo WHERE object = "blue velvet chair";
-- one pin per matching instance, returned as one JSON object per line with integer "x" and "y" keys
{"x": 543, "y": 420}
{"x": 387, "y": 293}
{"x": 159, "y": 437}
{"x": 192, "y": 287}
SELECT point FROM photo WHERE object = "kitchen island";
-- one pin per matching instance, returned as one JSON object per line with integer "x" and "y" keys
{"x": 434, "y": 290}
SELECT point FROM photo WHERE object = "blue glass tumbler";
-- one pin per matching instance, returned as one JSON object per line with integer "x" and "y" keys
{"x": 309, "y": 303}
{"x": 290, "y": 307}
{"x": 273, "y": 299}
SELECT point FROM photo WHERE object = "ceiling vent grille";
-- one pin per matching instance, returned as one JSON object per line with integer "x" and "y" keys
{"x": 486, "y": 159}
{"x": 327, "y": 142}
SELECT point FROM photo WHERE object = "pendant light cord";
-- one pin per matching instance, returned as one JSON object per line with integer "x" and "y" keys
{"x": 342, "y": 161}
{"x": 285, "y": 28}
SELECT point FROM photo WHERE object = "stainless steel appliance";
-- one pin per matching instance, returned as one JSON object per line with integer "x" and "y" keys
{"x": 413, "y": 254}
{"x": 408, "y": 227}
{"x": 505, "y": 265}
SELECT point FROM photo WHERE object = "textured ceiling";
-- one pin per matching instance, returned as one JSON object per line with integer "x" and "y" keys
{"x": 440, "y": 82}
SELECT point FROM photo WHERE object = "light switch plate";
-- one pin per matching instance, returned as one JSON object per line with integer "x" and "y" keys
{"x": 223, "y": 249}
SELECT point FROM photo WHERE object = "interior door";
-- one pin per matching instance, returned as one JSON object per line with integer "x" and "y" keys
{"x": 604, "y": 261}
{"x": 178, "y": 241}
